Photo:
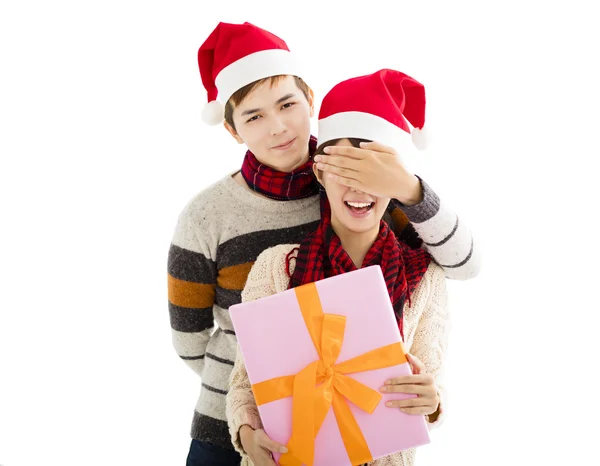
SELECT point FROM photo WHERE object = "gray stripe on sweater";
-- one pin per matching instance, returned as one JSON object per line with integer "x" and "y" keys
{"x": 218, "y": 359}
{"x": 211, "y": 430}
{"x": 226, "y": 332}
{"x": 216, "y": 372}
{"x": 213, "y": 389}
{"x": 192, "y": 358}
{"x": 450, "y": 235}
{"x": 225, "y": 298}
{"x": 184, "y": 319}
{"x": 246, "y": 248}
{"x": 191, "y": 266}
{"x": 209, "y": 356}
{"x": 461, "y": 263}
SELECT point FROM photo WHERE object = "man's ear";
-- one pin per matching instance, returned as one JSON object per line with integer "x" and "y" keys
{"x": 233, "y": 132}
{"x": 318, "y": 173}
{"x": 311, "y": 102}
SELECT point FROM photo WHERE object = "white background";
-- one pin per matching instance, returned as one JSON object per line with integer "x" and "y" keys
{"x": 101, "y": 147}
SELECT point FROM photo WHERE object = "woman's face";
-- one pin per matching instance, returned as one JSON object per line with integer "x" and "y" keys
{"x": 352, "y": 209}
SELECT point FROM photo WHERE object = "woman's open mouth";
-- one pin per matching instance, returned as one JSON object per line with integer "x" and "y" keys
{"x": 359, "y": 209}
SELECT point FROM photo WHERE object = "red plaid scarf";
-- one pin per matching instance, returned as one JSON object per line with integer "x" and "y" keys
{"x": 321, "y": 255}
{"x": 281, "y": 186}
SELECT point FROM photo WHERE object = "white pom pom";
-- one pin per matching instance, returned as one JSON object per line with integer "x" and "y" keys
{"x": 213, "y": 113}
{"x": 420, "y": 138}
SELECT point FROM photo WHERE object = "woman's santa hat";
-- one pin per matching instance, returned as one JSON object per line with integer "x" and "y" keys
{"x": 375, "y": 107}
{"x": 235, "y": 55}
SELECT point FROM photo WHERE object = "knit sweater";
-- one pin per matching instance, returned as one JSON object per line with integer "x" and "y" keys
{"x": 219, "y": 235}
{"x": 425, "y": 336}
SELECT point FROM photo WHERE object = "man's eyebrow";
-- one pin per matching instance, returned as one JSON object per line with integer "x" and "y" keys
{"x": 279, "y": 101}
{"x": 250, "y": 111}
{"x": 284, "y": 98}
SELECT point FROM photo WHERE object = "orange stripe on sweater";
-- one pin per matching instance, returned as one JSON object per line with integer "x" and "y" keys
{"x": 400, "y": 219}
{"x": 234, "y": 277}
{"x": 190, "y": 294}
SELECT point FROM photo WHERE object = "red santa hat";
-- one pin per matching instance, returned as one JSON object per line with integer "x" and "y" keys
{"x": 377, "y": 107}
{"x": 235, "y": 55}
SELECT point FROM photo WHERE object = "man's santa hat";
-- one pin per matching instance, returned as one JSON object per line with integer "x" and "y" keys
{"x": 376, "y": 107}
{"x": 235, "y": 55}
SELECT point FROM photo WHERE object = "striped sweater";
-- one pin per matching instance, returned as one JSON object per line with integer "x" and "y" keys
{"x": 219, "y": 235}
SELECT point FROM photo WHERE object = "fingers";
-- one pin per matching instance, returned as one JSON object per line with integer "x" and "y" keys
{"x": 424, "y": 410}
{"x": 419, "y": 383}
{"x": 351, "y": 182}
{"x": 377, "y": 147}
{"x": 338, "y": 166}
{"x": 347, "y": 151}
{"x": 263, "y": 440}
{"x": 424, "y": 390}
{"x": 360, "y": 152}
{"x": 414, "y": 379}
{"x": 339, "y": 161}
{"x": 413, "y": 403}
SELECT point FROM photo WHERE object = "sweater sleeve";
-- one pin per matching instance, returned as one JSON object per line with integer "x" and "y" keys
{"x": 192, "y": 277}
{"x": 241, "y": 407}
{"x": 447, "y": 238}
{"x": 266, "y": 278}
{"x": 428, "y": 329}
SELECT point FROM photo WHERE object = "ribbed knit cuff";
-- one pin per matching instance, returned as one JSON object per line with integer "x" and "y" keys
{"x": 243, "y": 416}
{"x": 441, "y": 410}
{"x": 424, "y": 210}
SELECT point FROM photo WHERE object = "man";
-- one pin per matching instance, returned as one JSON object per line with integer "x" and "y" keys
{"x": 273, "y": 199}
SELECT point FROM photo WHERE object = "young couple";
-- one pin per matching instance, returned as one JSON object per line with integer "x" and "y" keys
{"x": 314, "y": 213}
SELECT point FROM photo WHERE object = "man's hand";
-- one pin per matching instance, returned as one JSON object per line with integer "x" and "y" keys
{"x": 374, "y": 169}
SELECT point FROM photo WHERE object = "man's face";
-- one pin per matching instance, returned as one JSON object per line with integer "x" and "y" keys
{"x": 274, "y": 123}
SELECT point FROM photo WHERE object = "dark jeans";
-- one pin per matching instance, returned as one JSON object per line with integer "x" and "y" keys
{"x": 207, "y": 454}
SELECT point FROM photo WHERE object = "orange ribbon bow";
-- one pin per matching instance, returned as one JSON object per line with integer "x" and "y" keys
{"x": 323, "y": 384}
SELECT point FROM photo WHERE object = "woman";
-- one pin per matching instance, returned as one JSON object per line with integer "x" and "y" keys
{"x": 350, "y": 235}
{"x": 252, "y": 83}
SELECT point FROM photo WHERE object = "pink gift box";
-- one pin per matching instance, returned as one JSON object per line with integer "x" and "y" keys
{"x": 275, "y": 342}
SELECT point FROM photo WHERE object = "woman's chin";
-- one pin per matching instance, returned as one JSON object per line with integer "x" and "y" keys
{"x": 359, "y": 225}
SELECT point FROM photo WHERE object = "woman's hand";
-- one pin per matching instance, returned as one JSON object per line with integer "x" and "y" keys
{"x": 420, "y": 384}
{"x": 258, "y": 446}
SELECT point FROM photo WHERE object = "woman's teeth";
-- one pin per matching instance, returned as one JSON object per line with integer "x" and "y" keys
{"x": 359, "y": 205}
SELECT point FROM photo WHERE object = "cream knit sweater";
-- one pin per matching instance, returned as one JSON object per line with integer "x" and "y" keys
{"x": 426, "y": 328}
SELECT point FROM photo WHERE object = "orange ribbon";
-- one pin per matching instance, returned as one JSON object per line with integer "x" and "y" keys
{"x": 323, "y": 384}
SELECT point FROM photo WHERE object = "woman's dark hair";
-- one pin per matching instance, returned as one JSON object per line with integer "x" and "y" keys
{"x": 332, "y": 142}
{"x": 404, "y": 230}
